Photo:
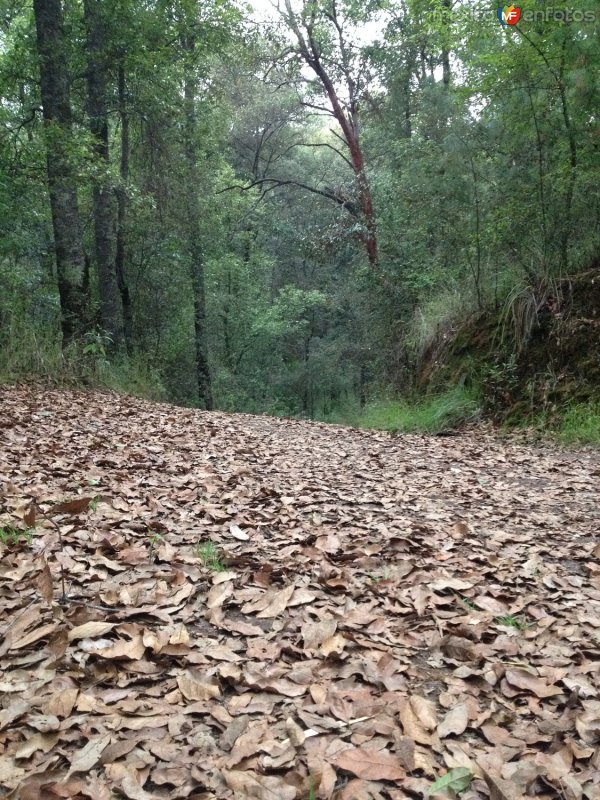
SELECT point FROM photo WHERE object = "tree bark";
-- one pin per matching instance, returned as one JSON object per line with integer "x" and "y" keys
{"x": 62, "y": 178}
{"x": 110, "y": 307}
{"x": 121, "y": 192}
{"x": 447, "y": 10}
{"x": 194, "y": 232}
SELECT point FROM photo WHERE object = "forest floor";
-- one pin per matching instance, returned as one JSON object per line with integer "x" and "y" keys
{"x": 270, "y": 608}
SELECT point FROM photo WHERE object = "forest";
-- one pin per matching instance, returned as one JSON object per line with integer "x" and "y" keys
{"x": 299, "y": 400}
{"x": 320, "y": 208}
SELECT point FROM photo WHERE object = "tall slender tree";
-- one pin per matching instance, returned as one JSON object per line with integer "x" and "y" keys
{"x": 62, "y": 178}
{"x": 103, "y": 197}
{"x": 193, "y": 224}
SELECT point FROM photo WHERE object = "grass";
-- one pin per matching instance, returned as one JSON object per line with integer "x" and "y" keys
{"x": 378, "y": 578}
{"x": 154, "y": 540}
{"x": 26, "y": 353}
{"x": 13, "y": 537}
{"x": 510, "y": 621}
{"x": 209, "y": 556}
{"x": 580, "y": 424}
{"x": 469, "y": 604}
{"x": 432, "y": 414}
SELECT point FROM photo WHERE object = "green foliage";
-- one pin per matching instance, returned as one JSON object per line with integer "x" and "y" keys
{"x": 455, "y": 780}
{"x": 485, "y": 188}
{"x": 28, "y": 354}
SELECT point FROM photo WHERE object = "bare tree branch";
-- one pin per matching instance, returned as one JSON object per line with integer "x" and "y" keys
{"x": 276, "y": 183}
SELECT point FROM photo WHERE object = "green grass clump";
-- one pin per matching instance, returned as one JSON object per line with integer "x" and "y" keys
{"x": 209, "y": 556}
{"x": 581, "y": 424}
{"x": 14, "y": 537}
{"x": 432, "y": 414}
{"x": 512, "y": 621}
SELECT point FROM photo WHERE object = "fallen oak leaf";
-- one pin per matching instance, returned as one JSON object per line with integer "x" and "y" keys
{"x": 77, "y": 506}
{"x": 455, "y": 721}
{"x": 370, "y": 764}
{"x": 262, "y": 787}
{"x": 89, "y": 755}
{"x": 89, "y": 630}
{"x": 522, "y": 679}
{"x": 44, "y": 582}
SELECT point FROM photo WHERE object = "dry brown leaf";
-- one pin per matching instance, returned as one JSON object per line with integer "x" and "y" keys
{"x": 455, "y": 721}
{"x": 261, "y": 787}
{"x": 90, "y": 630}
{"x": 89, "y": 755}
{"x": 340, "y": 652}
{"x": 368, "y": 764}
{"x": 45, "y": 583}
{"x": 77, "y": 506}
{"x": 522, "y": 679}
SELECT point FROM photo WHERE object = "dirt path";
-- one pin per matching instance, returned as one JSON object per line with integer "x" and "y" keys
{"x": 365, "y": 612}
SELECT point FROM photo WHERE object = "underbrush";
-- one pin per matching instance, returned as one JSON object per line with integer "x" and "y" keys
{"x": 27, "y": 355}
{"x": 431, "y": 414}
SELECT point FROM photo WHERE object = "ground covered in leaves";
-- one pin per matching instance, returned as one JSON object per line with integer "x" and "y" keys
{"x": 269, "y": 608}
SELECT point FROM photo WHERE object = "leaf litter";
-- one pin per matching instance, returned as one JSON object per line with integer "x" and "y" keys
{"x": 221, "y": 605}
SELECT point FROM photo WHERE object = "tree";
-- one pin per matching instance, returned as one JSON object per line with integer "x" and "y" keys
{"x": 111, "y": 314}
{"x": 62, "y": 178}
{"x": 321, "y": 40}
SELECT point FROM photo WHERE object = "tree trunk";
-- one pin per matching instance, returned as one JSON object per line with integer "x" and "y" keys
{"x": 120, "y": 254}
{"x": 447, "y": 10}
{"x": 110, "y": 308}
{"x": 194, "y": 231}
{"x": 62, "y": 179}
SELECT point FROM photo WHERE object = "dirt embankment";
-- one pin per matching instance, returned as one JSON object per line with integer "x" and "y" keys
{"x": 539, "y": 353}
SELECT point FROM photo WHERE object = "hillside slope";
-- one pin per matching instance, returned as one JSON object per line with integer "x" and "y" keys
{"x": 272, "y": 608}
{"x": 539, "y": 355}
